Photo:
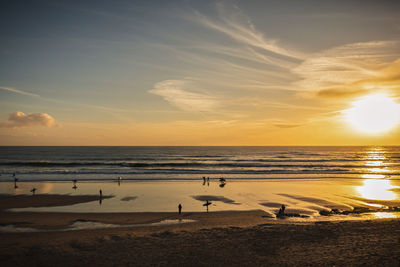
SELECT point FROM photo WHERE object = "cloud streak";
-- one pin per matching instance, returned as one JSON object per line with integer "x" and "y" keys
{"x": 17, "y": 91}
{"x": 176, "y": 92}
{"x": 239, "y": 28}
{"x": 20, "y": 119}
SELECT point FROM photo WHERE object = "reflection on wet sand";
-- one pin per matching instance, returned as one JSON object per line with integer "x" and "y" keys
{"x": 377, "y": 189}
{"x": 383, "y": 215}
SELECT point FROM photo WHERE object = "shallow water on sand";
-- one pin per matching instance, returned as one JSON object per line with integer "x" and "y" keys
{"x": 303, "y": 197}
{"x": 89, "y": 225}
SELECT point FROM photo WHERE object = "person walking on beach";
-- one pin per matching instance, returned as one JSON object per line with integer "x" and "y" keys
{"x": 180, "y": 209}
{"x": 101, "y": 194}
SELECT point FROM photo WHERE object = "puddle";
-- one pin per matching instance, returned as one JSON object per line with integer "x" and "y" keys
{"x": 89, "y": 225}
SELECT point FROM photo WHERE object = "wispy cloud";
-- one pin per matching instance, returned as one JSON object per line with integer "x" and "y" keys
{"x": 20, "y": 119}
{"x": 287, "y": 125}
{"x": 338, "y": 72}
{"x": 17, "y": 91}
{"x": 239, "y": 60}
{"x": 234, "y": 24}
{"x": 177, "y": 93}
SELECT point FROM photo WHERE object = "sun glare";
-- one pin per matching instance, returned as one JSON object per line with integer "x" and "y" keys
{"x": 373, "y": 114}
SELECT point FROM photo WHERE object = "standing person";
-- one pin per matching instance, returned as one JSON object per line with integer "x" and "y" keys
{"x": 180, "y": 209}
{"x": 101, "y": 197}
{"x": 208, "y": 203}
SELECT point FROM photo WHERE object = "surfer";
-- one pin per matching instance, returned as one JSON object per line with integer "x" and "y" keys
{"x": 208, "y": 203}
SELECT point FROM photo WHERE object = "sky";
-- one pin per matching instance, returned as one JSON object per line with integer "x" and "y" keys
{"x": 195, "y": 72}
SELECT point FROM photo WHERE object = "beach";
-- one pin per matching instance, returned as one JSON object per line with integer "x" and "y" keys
{"x": 235, "y": 238}
{"x": 341, "y": 206}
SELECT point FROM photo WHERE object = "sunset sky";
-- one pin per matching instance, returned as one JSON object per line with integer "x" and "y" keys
{"x": 197, "y": 72}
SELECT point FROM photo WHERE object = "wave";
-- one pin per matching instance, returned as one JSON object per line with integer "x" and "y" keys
{"x": 200, "y": 172}
{"x": 231, "y": 164}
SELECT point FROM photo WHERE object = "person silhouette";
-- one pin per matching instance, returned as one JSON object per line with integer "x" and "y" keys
{"x": 74, "y": 184}
{"x": 33, "y": 191}
{"x": 180, "y": 209}
{"x": 208, "y": 203}
{"x": 101, "y": 197}
{"x": 15, "y": 183}
{"x": 204, "y": 180}
{"x": 281, "y": 212}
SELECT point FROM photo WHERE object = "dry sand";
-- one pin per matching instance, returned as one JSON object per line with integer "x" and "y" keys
{"x": 216, "y": 238}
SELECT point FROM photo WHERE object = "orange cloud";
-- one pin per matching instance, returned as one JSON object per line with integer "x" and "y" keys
{"x": 21, "y": 119}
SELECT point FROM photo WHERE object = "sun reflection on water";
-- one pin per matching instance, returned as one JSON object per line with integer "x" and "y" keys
{"x": 377, "y": 163}
{"x": 377, "y": 170}
{"x": 373, "y": 176}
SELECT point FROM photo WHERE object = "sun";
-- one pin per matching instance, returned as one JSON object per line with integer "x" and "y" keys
{"x": 373, "y": 114}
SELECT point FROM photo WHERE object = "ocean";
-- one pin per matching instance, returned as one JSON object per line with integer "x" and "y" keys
{"x": 192, "y": 163}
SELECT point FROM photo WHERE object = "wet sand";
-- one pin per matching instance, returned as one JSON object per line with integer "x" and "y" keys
{"x": 43, "y": 200}
{"x": 228, "y": 238}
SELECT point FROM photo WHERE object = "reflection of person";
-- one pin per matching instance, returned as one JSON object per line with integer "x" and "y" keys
{"x": 180, "y": 209}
